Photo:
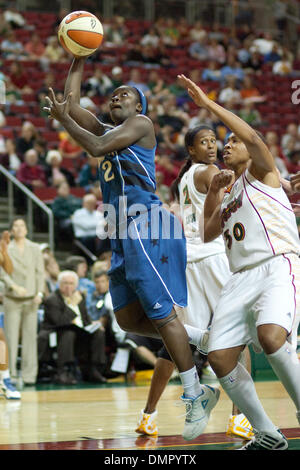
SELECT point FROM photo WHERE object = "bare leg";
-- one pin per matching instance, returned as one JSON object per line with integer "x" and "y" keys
{"x": 146, "y": 355}
{"x": 133, "y": 319}
{"x": 161, "y": 376}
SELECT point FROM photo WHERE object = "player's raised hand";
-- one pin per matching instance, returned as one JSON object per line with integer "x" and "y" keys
{"x": 221, "y": 180}
{"x": 195, "y": 92}
{"x": 58, "y": 110}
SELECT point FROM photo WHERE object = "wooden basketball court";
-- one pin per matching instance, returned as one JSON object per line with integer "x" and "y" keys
{"x": 104, "y": 418}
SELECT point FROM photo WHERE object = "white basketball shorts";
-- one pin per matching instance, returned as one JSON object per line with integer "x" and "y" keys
{"x": 267, "y": 293}
{"x": 205, "y": 280}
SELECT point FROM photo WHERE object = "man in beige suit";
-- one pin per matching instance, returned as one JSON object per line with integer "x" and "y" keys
{"x": 21, "y": 305}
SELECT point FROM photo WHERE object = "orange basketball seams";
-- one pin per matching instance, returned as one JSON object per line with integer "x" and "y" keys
{"x": 90, "y": 39}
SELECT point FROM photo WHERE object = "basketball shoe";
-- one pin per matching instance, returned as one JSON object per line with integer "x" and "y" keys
{"x": 239, "y": 426}
{"x": 266, "y": 441}
{"x": 9, "y": 390}
{"x": 147, "y": 424}
{"x": 198, "y": 411}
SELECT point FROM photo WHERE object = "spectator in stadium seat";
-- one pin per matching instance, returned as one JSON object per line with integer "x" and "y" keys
{"x": 216, "y": 51}
{"x": 199, "y": 49}
{"x": 212, "y": 72}
{"x": 292, "y": 134}
{"x": 88, "y": 224}
{"x": 27, "y": 138}
{"x": 11, "y": 48}
{"x": 10, "y": 160}
{"x": 69, "y": 148}
{"x": 135, "y": 80}
{"x": 283, "y": 66}
{"x": 30, "y": 173}
{"x": 250, "y": 114}
{"x": 98, "y": 84}
{"x": 248, "y": 90}
{"x": 117, "y": 77}
{"x": 4, "y": 25}
{"x": 89, "y": 174}
{"x": 273, "y": 56}
{"x": 56, "y": 174}
{"x": 151, "y": 38}
{"x": 19, "y": 77}
{"x": 86, "y": 286}
{"x": 230, "y": 92}
{"x": 53, "y": 50}
{"x": 34, "y": 47}
{"x": 63, "y": 207}
{"x": 66, "y": 314}
{"x": 232, "y": 67}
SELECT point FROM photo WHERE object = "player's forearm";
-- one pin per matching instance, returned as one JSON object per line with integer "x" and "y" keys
{"x": 73, "y": 82}
{"x": 86, "y": 139}
{"x": 211, "y": 215}
{"x": 239, "y": 127}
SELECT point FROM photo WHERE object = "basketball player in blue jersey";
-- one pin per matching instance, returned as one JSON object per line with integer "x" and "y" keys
{"x": 147, "y": 276}
{"x": 260, "y": 303}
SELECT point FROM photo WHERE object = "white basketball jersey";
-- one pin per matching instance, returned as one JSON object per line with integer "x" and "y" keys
{"x": 258, "y": 223}
{"x": 192, "y": 204}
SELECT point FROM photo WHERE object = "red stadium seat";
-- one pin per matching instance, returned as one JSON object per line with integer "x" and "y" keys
{"x": 46, "y": 195}
{"x": 14, "y": 121}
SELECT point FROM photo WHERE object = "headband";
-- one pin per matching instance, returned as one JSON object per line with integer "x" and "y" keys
{"x": 143, "y": 100}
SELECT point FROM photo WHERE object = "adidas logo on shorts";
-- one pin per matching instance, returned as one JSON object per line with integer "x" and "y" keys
{"x": 156, "y": 306}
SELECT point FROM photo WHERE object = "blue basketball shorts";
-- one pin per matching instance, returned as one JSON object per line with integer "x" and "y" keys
{"x": 149, "y": 264}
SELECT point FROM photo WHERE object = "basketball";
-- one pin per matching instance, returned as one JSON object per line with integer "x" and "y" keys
{"x": 80, "y": 33}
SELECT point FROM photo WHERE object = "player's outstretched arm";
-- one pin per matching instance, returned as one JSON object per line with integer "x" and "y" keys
{"x": 260, "y": 154}
{"x": 120, "y": 137}
{"x": 83, "y": 117}
{"x": 212, "y": 206}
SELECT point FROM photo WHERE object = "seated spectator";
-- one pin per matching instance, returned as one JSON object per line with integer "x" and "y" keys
{"x": 232, "y": 67}
{"x": 98, "y": 84}
{"x": 255, "y": 63}
{"x": 292, "y": 133}
{"x": 156, "y": 84}
{"x": 170, "y": 34}
{"x": 54, "y": 172}
{"x": 117, "y": 77}
{"x": 53, "y": 51}
{"x": 14, "y": 17}
{"x": 283, "y": 66}
{"x": 230, "y": 92}
{"x": 250, "y": 114}
{"x": 86, "y": 286}
{"x": 199, "y": 49}
{"x": 294, "y": 161}
{"x": 89, "y": 174}
{"x": 101, "y": 305}
{"x": 263, "y": 45}
{"x": 89, "y": 225}
{"x": 10, "y": 160}
{"x": 165, "y": 166}
{"x": 273, "y": 56}
{"x": 26, "y": 139}
{"x": 151, "y": 38}
{"x": 197, "y": 32}
{"x": 216, "y": 51}
{"x": 63, "y": 207}
{"x": 115, "y": 32}
{"x": 69, "y": 148}
{"x": 11, "y": 48}
{"x": 248, "y": 90}
{"x": 19, "y": 77}
{"x": 30, "y": 173}
{"x": 52, "y": 271}
{"x": 66, "y": 315}
{"x": 4, "y": 25}
{"x": 135, "y": 80}
{"x": 34, "y": 47}
{"x": 212, "y": 72}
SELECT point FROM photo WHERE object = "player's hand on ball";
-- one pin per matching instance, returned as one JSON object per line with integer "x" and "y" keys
{"x": 195, "y": 92}
{"x": 222, "y": 180}
{"x": 57, "y": 110}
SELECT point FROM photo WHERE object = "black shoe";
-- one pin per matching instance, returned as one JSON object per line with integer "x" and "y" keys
{"x": 66, "y": 378}
{"x": 96, "y": 376}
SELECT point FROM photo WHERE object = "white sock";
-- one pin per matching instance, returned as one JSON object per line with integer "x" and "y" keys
{"x": 195, "y": 334}
{"x": 240, "y": 388}
{"x": 190, "y": 382}
{"x": 286, "y": 366}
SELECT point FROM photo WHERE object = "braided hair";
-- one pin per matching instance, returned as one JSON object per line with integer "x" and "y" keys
{"x": 188, "y": 142}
